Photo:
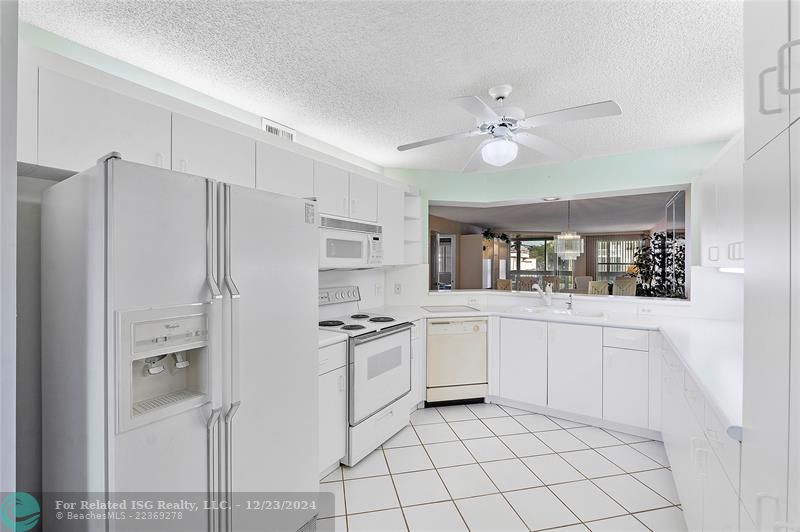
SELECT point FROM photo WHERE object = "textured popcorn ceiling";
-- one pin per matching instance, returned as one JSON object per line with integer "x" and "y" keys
{"x": 367, "y": 76}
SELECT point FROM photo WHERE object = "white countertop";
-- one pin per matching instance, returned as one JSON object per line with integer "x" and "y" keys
{"x": 327, "y": 338}
{"x": 711, "y": 350}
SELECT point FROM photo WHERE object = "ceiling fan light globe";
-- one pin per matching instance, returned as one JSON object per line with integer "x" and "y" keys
{"x": 499, "y": 152}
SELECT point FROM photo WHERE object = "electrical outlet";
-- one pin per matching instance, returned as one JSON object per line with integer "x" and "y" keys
{"x": 398, "y": 289}
{"x": 645, "y": 310}
{"x": 472, "y": 301}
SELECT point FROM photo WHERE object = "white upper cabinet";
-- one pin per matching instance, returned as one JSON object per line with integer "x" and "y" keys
{"x": 523, "y": 361}
{"x": 363, "y": 198}
{"x": 766, "y": 108}
{"x": 391, "y": 206}
{"x": 345, "y": 194}
{"x": 80, "y": 122}
{"x": 332, "y": 189}
{"x": 721, "y": 193}
{"x": 284, "y": 172}
{"x": 575, "y": 368}
{"x": 206, "y": 150}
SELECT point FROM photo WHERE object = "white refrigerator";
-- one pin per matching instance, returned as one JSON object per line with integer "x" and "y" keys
{"x": 179, "y": 341}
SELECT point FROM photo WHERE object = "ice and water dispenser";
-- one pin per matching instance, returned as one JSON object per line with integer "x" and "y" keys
{"x": 163, "y": 360}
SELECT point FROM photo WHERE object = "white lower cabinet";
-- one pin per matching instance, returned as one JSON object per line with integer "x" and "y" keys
{"x": 417, "y": 393}
{"x": 332, "y": 406}
{"x": 575, "y": 368}
{"x": 625, "y": 386}
{"x": 523, "y": 360}
{"x": 700, "y": 462}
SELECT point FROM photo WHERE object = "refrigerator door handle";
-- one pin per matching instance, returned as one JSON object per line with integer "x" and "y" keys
{"x": 213, "y": 452}
{"x": 229, "y": 464}
{"x": 211, "y": 281}
{"x": 230, "y": 284}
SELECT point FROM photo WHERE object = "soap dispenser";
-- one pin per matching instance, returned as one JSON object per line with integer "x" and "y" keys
{"x": 548, "y": 294}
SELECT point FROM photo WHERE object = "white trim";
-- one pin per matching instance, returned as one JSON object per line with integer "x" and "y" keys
{"x": 9, "y": 18}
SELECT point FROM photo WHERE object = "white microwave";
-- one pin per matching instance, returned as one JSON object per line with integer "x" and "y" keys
{"x": 348, "y": 244}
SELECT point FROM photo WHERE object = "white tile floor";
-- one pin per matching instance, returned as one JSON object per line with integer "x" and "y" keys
{"x": 490, "y": 468}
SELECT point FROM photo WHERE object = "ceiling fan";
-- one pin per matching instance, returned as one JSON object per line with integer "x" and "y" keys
{"x": 507, "y": 128}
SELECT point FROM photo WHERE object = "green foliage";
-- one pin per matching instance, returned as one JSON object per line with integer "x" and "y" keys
{"x": 661, "y": 267}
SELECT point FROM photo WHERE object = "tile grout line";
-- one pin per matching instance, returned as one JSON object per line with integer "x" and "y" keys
{"x": 396, "y": 493}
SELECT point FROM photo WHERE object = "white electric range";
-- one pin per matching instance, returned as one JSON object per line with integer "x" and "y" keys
{"x": 379, "y": 369}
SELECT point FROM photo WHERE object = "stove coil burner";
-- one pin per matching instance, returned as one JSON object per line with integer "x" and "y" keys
{"x": 353, "y": 327}
{"x": 381, "y": 319}
{"x": 330, "y": 323}
{"x": 360, "y": 316}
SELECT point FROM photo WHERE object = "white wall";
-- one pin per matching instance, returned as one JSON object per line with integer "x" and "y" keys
{"x": 8, "y": 225}
{"x": 29, "y": 334}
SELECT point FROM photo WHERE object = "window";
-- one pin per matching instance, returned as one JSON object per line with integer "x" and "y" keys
{"x": 535, "y": 258}
{"x": 614, "y": 257}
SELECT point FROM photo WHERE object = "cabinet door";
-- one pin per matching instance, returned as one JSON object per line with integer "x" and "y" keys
{"x": 766, "y": 110}
{"x": 331, "y": 186}
{"x": 523, "y": 361}
{"x": 332, "y": 417}
{"x": 767, "y": 324}
{"x": 625, "y": 386}
{"x": 417, "y": 394}
{"x": 391, "y": 205}
{"x": 80, "y": 122}
{"x": 363, "y": 198}
{"x": 720, "y": 501}
{"x": 794, "y": 409}
{"x": 575, "y": 368}
{"x": 654, "y": 390}
{"x": 283, "y": 171}
{"x": 210, "y": 151}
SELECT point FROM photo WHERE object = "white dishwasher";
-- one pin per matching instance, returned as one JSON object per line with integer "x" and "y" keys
{"x": 456, "y": 355}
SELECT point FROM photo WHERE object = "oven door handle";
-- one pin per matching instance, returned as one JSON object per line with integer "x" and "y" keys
{"x": 381, "y": 334}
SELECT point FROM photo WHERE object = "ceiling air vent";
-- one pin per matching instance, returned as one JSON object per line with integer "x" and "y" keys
{"x": 277, "y": 130}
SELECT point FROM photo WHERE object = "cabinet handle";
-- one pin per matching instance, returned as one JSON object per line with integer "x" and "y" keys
{"x": 782, "y": 68}
{"x": 341, "y": 383}
{"x": 344, "y": 206}
{"x": 713, "y": 253}
{"x": 159, "y": 160}
{"x": 698, "y": 450}
{"x": 182, "y": 165}
{"x": 760, "y": 498}
{"x": 352, "y": 207}
{"x": 761, "y": 98}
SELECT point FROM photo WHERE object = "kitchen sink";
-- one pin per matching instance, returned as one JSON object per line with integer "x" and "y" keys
{"x": 532, "y": 310}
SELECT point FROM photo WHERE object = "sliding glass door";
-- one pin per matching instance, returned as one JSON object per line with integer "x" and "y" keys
{"x": 533, "y": 260}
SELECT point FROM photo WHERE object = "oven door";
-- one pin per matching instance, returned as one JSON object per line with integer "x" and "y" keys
{"x": 343, "y": 249}
{"x": 380, "y": 371}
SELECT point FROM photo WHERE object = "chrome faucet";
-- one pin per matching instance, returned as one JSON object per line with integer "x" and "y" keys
{"x": 569, "y": 303}
{"x": 538, "y": 289}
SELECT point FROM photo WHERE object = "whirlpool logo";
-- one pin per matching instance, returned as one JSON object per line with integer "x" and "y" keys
{"x": 20, "y": 511}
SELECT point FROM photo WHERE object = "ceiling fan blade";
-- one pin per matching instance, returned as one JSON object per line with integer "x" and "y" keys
{"x": 581, "y": 112}
{"x": 477, "y": 108}
{"x": 436, "y": 140}
{"x": 476, "y": 160}
{"x": 543, "y": 146}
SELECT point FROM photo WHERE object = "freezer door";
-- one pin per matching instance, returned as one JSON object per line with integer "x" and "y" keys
{"x": 270, "y": 260}
{"x": 161, "y": 238}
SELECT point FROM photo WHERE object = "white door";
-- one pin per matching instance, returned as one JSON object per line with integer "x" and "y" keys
{"x": 283, "y": 171}
{"x": 159, "y": 229}
{"x": 523, "y": 361}
{"x": 272, "y": 347}
{"x": 331, "y": 187}
{"x": 766, "y": 110}
{"x": 391, "y": 206}
{"x": 363, "y": 198}
{"x": 625, "y": 386}
{"x": 332, "y": 417}
{"x": 765, "y": 413}
{"x": 575, "y": 368}
{"x": 210, "y": 151}
{"x": 80, "y": 122}
{"x": 794, "y": 409}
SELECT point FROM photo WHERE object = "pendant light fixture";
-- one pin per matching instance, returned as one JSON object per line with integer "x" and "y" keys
{"x": 569, "y": 244}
